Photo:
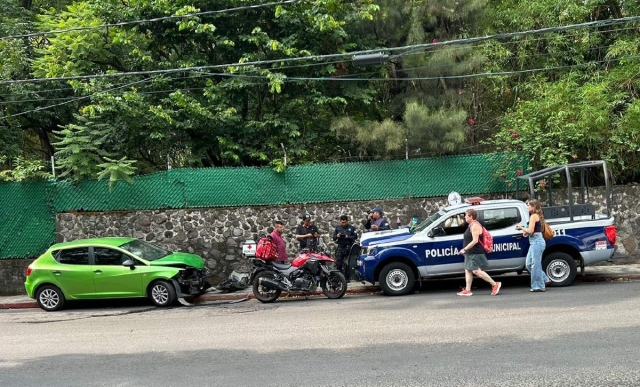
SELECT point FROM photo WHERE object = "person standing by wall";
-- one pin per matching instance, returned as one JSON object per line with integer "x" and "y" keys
{"x": 536, "y": 246}
{"x": 475, "y": 260}
{"x": 281, "y": 245}
{"x": 306, "y": 233}
{"x": 376, "y": 220}
{"x": 344, "y": 235}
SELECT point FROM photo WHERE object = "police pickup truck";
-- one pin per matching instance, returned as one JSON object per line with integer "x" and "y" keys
{"x": 398, "y": 258}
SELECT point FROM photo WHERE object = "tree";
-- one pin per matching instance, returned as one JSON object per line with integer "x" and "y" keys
{"x": 25, "y": 138}
{"x": 228, "y": 116}
{"x": 441, "y": 108}
{"x": 564, "y": 115}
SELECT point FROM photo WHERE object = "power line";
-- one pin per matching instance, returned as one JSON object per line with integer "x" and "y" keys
{"x": 331, "y": 79}
{"x": 595, "y": 24}
{"x": 601, "y": 23}
{"x": 474, "y": 75}
{"x": 75, "y": 99}
{"x": 70, "y": 89}
{"x": 121, "y": 24}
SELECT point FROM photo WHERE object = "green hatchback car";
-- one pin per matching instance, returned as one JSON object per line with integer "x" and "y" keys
{"x": 101, "y": 268}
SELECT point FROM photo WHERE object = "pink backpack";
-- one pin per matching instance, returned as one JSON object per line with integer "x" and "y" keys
{"x": 486, "y": 240}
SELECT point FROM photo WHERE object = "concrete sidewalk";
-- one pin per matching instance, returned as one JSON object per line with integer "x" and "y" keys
{"x": 592, "y": 274}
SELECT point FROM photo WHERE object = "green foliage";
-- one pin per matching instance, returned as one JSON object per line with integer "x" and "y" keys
{"x": 80, "y": 149}
{"x": 433, "y": 133}
{"x": 24, "y": 170}
{"x": 562, "y": 116}
{"x": 116, "y": 170}
{"x": 441, "y": 131}
{"x": 584, "y": 105}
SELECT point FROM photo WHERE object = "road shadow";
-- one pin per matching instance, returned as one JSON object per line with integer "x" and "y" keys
{"x": 527, "y": 359}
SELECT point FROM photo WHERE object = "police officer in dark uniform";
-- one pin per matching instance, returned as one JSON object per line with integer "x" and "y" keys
{"x": 376, "y": 221}
{"x": 344, "y": 235}
{"x": 307, "y": 234}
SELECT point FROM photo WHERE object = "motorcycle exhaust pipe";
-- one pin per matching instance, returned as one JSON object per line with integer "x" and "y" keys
{"x": 271, "y": 284}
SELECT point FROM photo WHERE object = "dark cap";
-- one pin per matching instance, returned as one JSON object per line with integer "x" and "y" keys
{"x": 306, "y": 217}
{"x": 377, "y": 209}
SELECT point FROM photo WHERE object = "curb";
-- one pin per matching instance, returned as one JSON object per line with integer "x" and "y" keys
{"x": 608, "y": 277}
{"x": 358, "y": 290}
{"x": 19, "y": 305}
{"x": 204, "y": 297}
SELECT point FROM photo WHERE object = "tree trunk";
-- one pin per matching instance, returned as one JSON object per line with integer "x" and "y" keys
{"x": 26, "y": 4}
{"x": 45, "y": 144}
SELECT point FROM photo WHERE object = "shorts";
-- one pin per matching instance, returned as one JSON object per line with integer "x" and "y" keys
{"x": 475, "y": 261}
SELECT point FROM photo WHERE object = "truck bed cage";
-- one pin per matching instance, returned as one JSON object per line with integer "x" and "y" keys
{"x": 580, "y": 209}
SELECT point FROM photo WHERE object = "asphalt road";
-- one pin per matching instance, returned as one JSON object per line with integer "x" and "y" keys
{"x": 583, "y": 335}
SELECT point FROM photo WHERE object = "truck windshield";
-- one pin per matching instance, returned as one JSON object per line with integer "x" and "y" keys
{"x": 428, "y": 222}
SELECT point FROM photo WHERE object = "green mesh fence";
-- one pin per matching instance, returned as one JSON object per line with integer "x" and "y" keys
{"x": 27, "y": 221}
{"x": 227, "y": 187}
{"x": 157, "y": 190}
{"x": 28, "y": 210}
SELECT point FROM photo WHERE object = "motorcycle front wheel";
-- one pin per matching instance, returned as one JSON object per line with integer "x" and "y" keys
{"x": 334, "y": 286}
{"x": 263, "y": 293}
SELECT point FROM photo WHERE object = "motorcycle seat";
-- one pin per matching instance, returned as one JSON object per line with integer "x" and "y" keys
{"x": 282, "y": 266}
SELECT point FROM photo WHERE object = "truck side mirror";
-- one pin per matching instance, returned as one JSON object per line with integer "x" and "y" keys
{"x": 436, "y": 231}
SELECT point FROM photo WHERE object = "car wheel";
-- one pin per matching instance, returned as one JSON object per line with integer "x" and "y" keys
{"x": 50, "y": 298}
{"x": 162, "y": 293}
{"x": 396, "y": 279}
{"x": 334, "y": 286}
{"x": 561, "y": 269}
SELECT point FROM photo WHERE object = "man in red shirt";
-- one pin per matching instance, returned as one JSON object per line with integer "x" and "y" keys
{"x": 276, "y": 235}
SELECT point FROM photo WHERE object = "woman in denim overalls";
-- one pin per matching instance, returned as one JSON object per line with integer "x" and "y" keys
{"x": 536, "y": 246}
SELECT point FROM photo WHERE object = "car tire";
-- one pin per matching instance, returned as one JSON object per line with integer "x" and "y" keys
{"x": 397, "y": 279}
{"x": 162, "y": 293}
{"x": 561, "y": 269}
{"x": 50, "y": 298}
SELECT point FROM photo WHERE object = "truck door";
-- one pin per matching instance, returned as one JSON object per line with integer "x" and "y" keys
{"x": 509, "y": 246}
{"x": 441, "y": 249}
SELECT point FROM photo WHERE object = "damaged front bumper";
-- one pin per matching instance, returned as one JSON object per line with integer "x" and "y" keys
{"x": 191, "y": 281}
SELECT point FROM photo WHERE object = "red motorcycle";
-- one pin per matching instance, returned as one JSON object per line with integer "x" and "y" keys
{"x": 310, "y": 269}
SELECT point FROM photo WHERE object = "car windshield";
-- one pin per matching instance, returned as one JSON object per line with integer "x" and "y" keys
{"x": 145, "y": 250}
{"x": 428, "y": 221}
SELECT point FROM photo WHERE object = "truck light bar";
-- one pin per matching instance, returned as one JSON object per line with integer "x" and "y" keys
{"x": 474, "y": 201}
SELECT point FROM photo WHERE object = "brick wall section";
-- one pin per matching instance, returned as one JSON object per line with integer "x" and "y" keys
{"x": 217, "y": 234}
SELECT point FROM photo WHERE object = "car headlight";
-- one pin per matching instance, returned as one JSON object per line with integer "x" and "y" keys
{"x": 371, "y": 250}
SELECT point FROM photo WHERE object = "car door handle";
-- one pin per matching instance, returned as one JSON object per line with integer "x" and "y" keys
{"x": 98, "y": 271}
{"x": 518, "y": 236}
{"x": 57, "y": 272}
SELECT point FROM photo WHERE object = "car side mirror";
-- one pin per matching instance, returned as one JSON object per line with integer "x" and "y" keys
{"x": 129, "y": 263}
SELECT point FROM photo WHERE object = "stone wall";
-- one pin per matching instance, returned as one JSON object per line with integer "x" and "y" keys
{"x": 12, "y": 275}
{"x": 217, "y": 234}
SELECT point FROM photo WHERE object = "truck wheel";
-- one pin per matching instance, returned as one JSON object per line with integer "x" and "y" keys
{"x": 561, "y": 269}
{"x": 396, "y": 279}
